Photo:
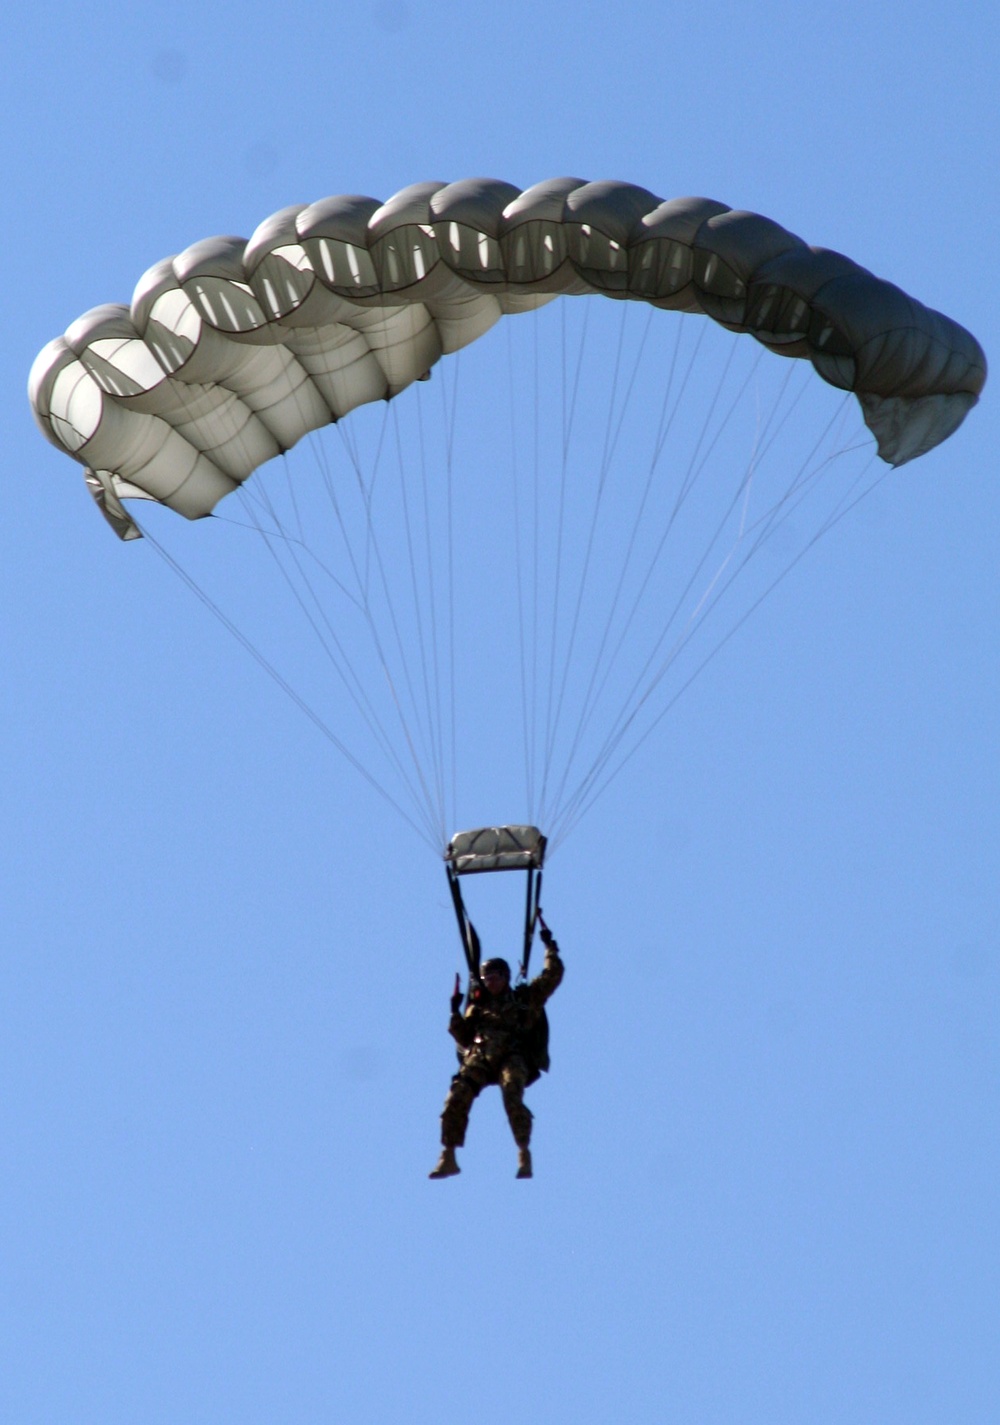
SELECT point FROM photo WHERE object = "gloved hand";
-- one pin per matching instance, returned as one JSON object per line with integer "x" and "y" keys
{"x": 545, "y": 934}
{"x": 456, "y": 999}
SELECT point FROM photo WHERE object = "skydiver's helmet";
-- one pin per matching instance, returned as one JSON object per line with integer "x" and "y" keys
{"x": 492, "y": 967}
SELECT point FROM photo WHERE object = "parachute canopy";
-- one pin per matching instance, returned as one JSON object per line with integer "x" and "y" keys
{"x": 519, "y": 566}
{"x": 232, "y": 351}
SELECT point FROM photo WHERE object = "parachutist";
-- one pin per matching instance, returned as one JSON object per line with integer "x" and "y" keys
{"x": 502, "y": 1039}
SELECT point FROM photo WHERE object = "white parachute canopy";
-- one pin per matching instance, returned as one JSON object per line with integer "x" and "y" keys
{"x": 601, "y": 498}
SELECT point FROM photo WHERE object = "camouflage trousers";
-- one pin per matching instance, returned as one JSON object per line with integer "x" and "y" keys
{"x": 474, "y": 1076}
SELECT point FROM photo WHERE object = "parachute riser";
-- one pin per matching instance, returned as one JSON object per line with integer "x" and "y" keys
{"x": 505, "y": 848}
{"x": 471, "y": 946}
{"x": 530, "y": 919}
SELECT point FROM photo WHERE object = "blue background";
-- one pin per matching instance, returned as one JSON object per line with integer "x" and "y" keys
{"x": 767, "y": 1155}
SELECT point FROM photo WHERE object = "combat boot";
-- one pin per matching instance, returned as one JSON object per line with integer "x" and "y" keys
{"x": 446, "y": 1166}
{"x": 524, "y": 1163}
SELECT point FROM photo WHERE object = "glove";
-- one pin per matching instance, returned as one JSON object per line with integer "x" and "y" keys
{"x": 456, "y": 999}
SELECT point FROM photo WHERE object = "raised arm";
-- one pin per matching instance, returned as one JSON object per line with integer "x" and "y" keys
{"x": 546, "y": 984}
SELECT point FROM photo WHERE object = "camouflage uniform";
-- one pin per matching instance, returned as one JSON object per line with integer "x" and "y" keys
{"x": 488, "y": 1036}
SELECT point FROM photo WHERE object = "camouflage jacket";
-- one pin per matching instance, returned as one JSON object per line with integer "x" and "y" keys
{"x": 491, "y": 1027}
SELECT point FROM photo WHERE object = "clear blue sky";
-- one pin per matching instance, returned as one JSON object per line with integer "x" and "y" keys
{"x": 767, "y": 1154}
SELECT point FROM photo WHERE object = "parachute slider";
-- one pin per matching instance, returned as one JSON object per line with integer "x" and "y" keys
{"x": 496, "y": 848}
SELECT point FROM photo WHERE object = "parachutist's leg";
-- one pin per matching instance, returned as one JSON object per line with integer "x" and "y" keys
{"x": 465, "y": 1088}
{"x": 513, "y": 1079}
